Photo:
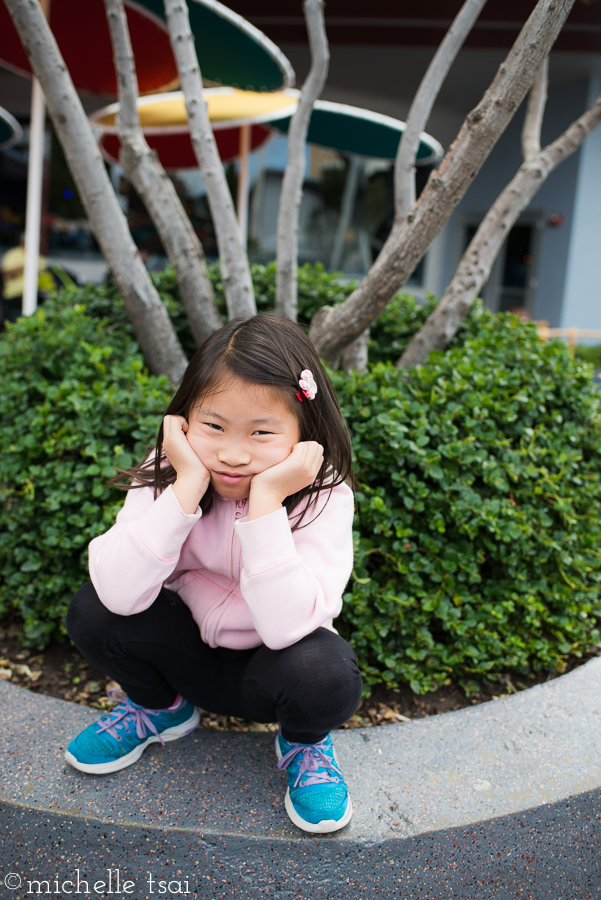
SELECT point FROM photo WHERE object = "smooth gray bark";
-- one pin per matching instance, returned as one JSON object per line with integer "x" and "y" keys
{"x": 421, "y": 107}
{"x": 408, "y": 241}
{"x": 441, "y": 326}
{"x": 152, "y": 325}
{"x": 156, "y": 189}
{"x": 235, "y": 271}
{"x": 535, "y": 111}
{"x": 292, "y": 185}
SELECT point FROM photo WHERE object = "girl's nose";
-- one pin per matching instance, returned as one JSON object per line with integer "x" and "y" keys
{"x": 233, "y": 454}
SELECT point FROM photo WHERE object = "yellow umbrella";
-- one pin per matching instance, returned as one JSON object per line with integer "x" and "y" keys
{"x": 238, "y": 119}
{"x": 228, "y": 108}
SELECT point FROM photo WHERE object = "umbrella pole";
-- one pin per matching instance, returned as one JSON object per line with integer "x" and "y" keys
{"x": 35, "y": 179}
{"x": 244, "y": 151}
{"x": 35, "y": 170}
{"x": 347, "y": 208}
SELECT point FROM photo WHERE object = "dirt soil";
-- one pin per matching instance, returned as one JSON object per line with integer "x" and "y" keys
{"x": 61, "y": 671}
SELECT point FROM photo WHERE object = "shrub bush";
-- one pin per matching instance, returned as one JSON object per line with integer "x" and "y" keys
{"x": 479, "y": 474}
{"x": 316, "y": 288}
{"x": 479, "y": 524}
{"x": 76, "y": 401}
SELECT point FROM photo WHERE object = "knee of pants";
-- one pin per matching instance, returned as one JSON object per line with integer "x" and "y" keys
{"x": 323, "y": 665}
{"x": 88, "y": 620}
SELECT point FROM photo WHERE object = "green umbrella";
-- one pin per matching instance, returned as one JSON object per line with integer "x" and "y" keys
{"x": 10, "y": 130}
{"x": 230, "y": 50}
{"x": 362, "y": 132}
{"x": 357, "y": 133}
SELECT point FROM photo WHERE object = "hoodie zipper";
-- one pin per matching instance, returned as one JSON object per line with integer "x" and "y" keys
{"x": 240, "y": 504}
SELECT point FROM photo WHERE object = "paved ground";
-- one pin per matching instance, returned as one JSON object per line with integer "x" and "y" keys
{"x": 502, "y": 800}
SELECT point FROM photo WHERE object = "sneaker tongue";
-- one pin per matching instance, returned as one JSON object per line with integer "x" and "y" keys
{"x": 314, "y": 766}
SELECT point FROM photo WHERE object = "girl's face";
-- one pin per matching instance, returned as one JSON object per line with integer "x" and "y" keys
{"x": 239, "y": 431}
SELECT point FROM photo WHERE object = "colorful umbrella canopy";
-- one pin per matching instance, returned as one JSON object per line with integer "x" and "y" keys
{"x": 347, "y": 129}
{"x": 82, "y": 33}
{"x": 10, "y": 130}
{"x": 350, "y": 129}
{"x": 230, "y": 50}
{"x": 164, "y": 121}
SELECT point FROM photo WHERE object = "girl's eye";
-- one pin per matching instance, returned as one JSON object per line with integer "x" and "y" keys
{"x": 213, "y": 425}
{"x": 262, "y": 432}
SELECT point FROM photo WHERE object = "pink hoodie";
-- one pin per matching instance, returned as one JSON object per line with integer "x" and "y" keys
{"x": 246, "y": 583}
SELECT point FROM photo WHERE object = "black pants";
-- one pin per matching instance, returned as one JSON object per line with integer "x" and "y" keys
{"x": 310, "y": 687}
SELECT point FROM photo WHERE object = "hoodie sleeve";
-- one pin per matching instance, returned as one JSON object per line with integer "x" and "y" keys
{"x": 291, "y": 581}
{"x": 129, "y": 563}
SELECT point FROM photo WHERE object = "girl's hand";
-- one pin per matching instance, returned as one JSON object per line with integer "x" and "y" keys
{"x": 192, "y": 475}
{"x": 269, "y": 488}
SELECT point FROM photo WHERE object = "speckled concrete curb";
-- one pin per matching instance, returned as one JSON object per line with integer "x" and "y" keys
{"x": 502, "y": 800}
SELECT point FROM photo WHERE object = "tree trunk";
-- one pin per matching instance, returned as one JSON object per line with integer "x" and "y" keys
{"x": 482, "y": 128}
{"x": 421, "y": 107}
{"x": 235, "y": 271}
{"x": 441, "y": 326}
{"x": 156, "y": 189}
{"x": 356, "y": 354}
{"x": 292, "y": 186}
{"x": 152, "y": 325}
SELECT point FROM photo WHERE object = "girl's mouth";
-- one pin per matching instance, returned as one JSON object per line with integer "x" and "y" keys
{"x": 230, "y": 479}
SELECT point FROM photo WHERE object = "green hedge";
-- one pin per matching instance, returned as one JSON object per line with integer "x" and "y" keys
{"x": 479, "y": 478}
{"x": 316, "y": 288}
{"x": 479, "y": 517}
{"x": 76, "y": 400}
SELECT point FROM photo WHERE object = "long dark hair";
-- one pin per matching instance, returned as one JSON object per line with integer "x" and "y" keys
{"x": 266, "y": 350}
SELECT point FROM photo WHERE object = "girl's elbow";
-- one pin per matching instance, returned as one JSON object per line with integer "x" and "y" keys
{"x": 277, "y": 642}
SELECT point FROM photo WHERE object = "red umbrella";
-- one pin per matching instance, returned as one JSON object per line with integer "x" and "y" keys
{"x": 175, "y": 151}
{"x": 82, "y": 33}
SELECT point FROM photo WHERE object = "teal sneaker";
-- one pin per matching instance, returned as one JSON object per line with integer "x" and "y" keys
{"x": 317, "y": 798}
{"x": 120, "y": 737}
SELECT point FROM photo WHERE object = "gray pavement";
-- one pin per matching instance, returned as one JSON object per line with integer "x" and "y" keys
{"x": 500, "y": 800}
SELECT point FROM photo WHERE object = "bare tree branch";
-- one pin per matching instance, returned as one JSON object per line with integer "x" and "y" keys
{"x": 421, "y": 107}
{"x": 441, "y": 326}
{"x": 158, "y": 194}
{"x": 292, "y": 185}
{"x": 535, "y": 111}
{"x": 408, "y": 242}
{"x": 152, "y": 325}
{"x": 237, "y": 282}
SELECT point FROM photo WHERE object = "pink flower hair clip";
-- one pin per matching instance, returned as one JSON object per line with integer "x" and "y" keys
{"x": 307, "y": 385}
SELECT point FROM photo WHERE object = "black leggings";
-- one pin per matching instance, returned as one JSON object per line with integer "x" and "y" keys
{"x": 310, "y": 687}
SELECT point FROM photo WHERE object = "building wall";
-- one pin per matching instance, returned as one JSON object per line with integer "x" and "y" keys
{"x": 557, "y": 195}
{"x": 582, "y": 297}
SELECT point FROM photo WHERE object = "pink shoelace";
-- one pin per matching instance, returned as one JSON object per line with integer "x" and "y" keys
{"x": 124, "y": 712}
{"x": 312, "y": 759}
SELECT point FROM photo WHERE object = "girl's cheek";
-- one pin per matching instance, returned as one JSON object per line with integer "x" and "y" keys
{"x": 197, "y": 446}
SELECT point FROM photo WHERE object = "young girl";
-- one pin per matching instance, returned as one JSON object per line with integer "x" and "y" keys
{"x": 217, "y": 585}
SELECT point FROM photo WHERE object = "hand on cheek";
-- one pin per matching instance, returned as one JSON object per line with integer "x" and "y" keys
{"x": 269, "y": 488}
{"x": 192, "y": 475}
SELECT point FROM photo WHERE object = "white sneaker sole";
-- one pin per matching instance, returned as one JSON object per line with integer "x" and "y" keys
{"x": 326, "y": 825}
{"x": 170, "y": 734}
{"x": 323, "y": 827}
